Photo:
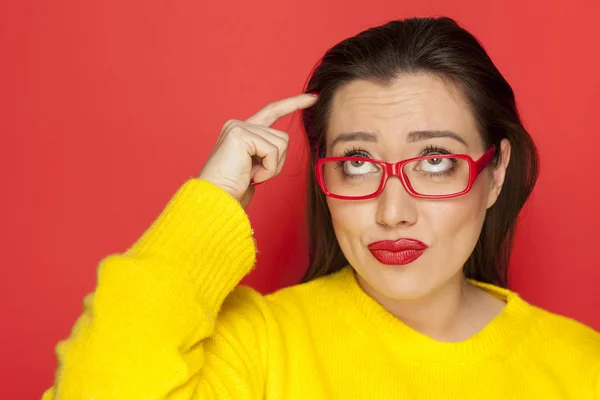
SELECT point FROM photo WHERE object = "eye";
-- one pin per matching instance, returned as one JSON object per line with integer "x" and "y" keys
{"x": 436, "y": 165}
{"x": 357, "y": 167}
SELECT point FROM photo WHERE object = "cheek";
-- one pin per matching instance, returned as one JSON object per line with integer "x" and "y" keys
{"x": 350, "y": 219}
{"x": 456, "y": 223}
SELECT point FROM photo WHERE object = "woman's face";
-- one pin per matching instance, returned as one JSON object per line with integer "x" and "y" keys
{"x": 449, "y": 228}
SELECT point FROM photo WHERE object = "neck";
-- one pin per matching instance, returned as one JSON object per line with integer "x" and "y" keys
{"x": 453, "y": 312}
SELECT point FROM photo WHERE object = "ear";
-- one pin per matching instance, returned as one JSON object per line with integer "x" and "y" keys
{"x": 499, "y": 173}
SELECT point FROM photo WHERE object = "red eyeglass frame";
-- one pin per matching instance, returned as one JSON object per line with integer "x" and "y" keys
{"x": 397, "y": 169}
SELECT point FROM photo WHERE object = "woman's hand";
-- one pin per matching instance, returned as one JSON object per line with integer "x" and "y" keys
{"x": 250, "y": 151}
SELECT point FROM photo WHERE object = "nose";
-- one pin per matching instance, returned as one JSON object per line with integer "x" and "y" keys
{"x": 395, "y": 206}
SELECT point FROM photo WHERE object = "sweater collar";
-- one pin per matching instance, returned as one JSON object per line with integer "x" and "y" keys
{"x": 504, "y": 333}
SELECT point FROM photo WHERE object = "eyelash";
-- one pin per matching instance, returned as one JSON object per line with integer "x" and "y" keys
{"x": 429, "y": 149}
{"x": 435, "y": 150}
{"x": 356, "y": 152}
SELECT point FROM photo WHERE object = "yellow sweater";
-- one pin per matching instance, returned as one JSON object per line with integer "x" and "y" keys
{"x": 166, "y": 323}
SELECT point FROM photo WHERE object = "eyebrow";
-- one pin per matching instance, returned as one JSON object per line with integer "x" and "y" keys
{"x": 414, "y": 136}
{"x": 354, "y": 137}
{"x": 417, "y": 136}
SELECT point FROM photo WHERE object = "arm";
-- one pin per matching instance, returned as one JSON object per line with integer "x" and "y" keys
{"x": 144, "y": 332}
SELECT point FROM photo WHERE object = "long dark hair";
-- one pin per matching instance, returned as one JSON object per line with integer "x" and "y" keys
{"x": 438, "y": 46}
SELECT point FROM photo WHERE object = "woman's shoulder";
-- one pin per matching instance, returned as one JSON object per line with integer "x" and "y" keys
{"x": 317, "y": 294}
{"x": 556, "y": 331}
{"x": 293, "y": 311}
{"x": 543, "y": 323}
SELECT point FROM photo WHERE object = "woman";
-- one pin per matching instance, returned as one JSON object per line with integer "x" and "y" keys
{"x": 420, "y": 167}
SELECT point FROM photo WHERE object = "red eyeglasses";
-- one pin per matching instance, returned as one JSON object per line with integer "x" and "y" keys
{"x": 438, "y": 176}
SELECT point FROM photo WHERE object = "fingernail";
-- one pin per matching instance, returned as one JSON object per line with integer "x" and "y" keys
{"x": 252, "y": 183}
{"x": 314, "y": 93}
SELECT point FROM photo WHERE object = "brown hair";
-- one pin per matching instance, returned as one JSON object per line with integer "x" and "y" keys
{"x": 438, "y": 46}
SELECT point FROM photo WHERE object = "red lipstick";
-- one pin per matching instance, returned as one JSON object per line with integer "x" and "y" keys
{"x": 397, "y": 252}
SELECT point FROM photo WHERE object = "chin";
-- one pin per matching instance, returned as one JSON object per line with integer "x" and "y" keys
{"x": 403, "y": 282}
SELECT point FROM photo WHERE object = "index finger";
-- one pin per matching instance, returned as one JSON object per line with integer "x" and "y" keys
{"x": 272, "y": 112}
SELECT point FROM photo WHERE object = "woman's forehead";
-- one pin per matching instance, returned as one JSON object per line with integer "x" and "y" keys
{"x": 411, "y": 103}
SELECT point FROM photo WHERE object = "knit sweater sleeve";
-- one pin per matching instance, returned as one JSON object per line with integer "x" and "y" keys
{"x": 150, "y": 329}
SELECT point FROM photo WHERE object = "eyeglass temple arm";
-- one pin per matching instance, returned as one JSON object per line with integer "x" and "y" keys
{"x": 485, "y": 159}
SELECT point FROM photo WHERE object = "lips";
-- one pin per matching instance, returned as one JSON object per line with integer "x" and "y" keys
{"x": 397, "y": 252}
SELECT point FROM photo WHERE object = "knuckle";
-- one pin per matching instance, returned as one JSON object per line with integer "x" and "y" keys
{"x": 236, "y": 131}
{"x": 283, "y": 144}
{"x": 231, "y": 124}
{"x": 275, "y": 151}
{"x": 228, "y": 124}
{"x": 274, "y": 160}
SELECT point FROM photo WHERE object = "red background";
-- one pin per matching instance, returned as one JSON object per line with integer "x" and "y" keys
{"x": 106, "y": 107}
